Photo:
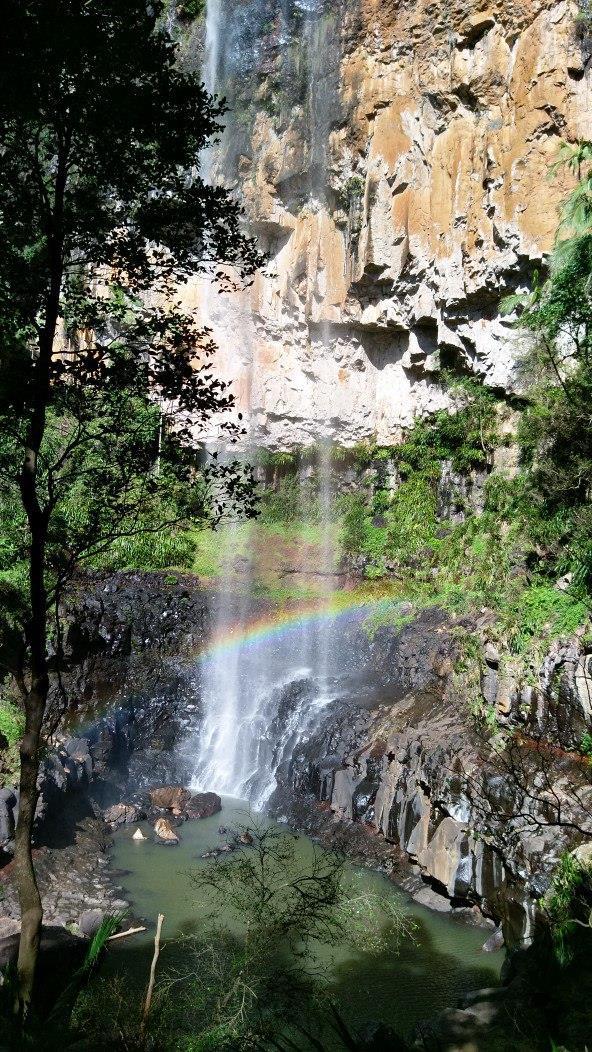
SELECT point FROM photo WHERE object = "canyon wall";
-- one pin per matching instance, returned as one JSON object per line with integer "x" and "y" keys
{"x": 394, "y": 159}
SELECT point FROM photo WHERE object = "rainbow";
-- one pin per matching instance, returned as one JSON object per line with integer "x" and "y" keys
{"x": 280, "y": 622}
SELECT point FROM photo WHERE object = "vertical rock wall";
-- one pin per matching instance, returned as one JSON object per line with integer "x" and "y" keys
{"x": 394, "y": 156}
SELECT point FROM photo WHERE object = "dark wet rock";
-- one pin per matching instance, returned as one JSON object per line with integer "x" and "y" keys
{"x": 60, "y": 954}
{"x": 245, "y": 838}
{"x": 203, "y": 805}
{"x": 8, "y": 800}
{"x": 411, "y": 770}
{"x": 495, "y": 1019}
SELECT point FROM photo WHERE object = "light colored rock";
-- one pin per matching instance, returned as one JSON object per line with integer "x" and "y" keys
{"x": 165, "y": 832}
{"x": 583, "y": 854}
{"x": 426, "y": 896}
{"x": 494, "y": 942}
{"x": 138, "y": 835}
{"x": 449, "y": 121}
{"x": 8, "y": 927}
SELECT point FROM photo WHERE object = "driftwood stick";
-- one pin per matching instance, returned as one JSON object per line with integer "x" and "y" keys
{"x": 150, "y": 989}
{"x": 124, "y": 934}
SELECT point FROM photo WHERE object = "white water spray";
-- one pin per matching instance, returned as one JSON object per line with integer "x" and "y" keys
{"x": 259, "y": 702}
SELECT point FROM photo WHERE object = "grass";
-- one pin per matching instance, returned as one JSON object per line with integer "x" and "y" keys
{"x": 12, "y": 721}
{"x": 12, "y": 725}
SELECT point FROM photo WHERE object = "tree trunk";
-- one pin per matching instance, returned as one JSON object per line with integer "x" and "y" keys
{"x": 38, "y": 518}
{"x": 28, "y": 891}
{"x": 26, "y": 881}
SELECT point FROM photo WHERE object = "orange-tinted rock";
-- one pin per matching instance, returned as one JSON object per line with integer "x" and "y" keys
{"x": 170, "y": 797}
{"x": 165, "y": 832}
{"x": 450, "y": 117}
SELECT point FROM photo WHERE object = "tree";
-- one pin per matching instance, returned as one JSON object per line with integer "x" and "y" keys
{"x": 104, "y": 380}
{"x": 556, "y": 429}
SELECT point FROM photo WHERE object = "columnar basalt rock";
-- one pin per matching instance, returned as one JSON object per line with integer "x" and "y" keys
{"x": 477, "y": 824}
{"x": 400, "y": 193}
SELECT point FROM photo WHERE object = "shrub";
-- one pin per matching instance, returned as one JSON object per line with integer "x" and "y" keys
{"x": 12, "y": 721}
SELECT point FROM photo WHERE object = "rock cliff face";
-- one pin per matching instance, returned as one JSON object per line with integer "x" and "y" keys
{"x": 394, "y": 158}
{"x": 479, "y": 827}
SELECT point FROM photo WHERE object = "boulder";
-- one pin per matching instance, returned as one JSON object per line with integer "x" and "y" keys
{"x": 246, "y": 838}
{"x": 78, "y": 750}
{"x": 583, "y": 854}
{"x": 203, "y": 805}
{"x": 138, "y": 835}
{"x": 494, "y": 942}
{"x": 7, "y": 806}
{"x": 427, "y": 896}
{"x": 90, "y": 921}
{"x": 170, "y": 798}
{"x": 8, "y": 927}
{"x": 165, "y": 832}
{"x": 122, "y": 814}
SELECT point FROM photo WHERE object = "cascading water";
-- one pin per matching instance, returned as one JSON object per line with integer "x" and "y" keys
{"x": 260, "y": 699}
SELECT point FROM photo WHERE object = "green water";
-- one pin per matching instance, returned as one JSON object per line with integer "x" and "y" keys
{"x": 428, "y": 974}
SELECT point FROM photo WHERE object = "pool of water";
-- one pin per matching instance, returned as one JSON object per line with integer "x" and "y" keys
{"x": 428, "y": 974}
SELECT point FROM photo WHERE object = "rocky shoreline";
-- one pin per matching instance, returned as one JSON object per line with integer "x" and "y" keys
{"x": 394, "y": 777}
{"x": 390, "y": 781}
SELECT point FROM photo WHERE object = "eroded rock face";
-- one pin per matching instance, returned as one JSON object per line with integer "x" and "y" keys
{"x": 477, "y": 825}
{"x": 395, "y": 167}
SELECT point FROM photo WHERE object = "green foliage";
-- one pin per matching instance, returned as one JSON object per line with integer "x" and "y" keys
{"x": 12, "y": 721}
{"x": 543, "y": 611}
{"x": 12, "y": 725}
{"x": 354, "y": 536}
{"x": 280, "y": 458}
{"x": 568, "y": 905}
{"x": 555, "y": 434}
{"x": 285, "y": 501}
{"x": 247, "y": 979}
{"x": 157, "y": 550}
{"x": 466, "y": 436}
{"x": 351, "y": 192}
{"x": 586, "y": 744}
{"x": 191, "y": 10}
{"x": 115, "y": 482}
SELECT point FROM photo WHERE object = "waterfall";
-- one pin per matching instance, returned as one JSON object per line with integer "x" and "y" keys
{"x": 212, "y": 46}
{"x": 259, "y": 700}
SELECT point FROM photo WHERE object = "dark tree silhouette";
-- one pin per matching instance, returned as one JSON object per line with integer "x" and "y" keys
{"x": 104, "y": 381}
